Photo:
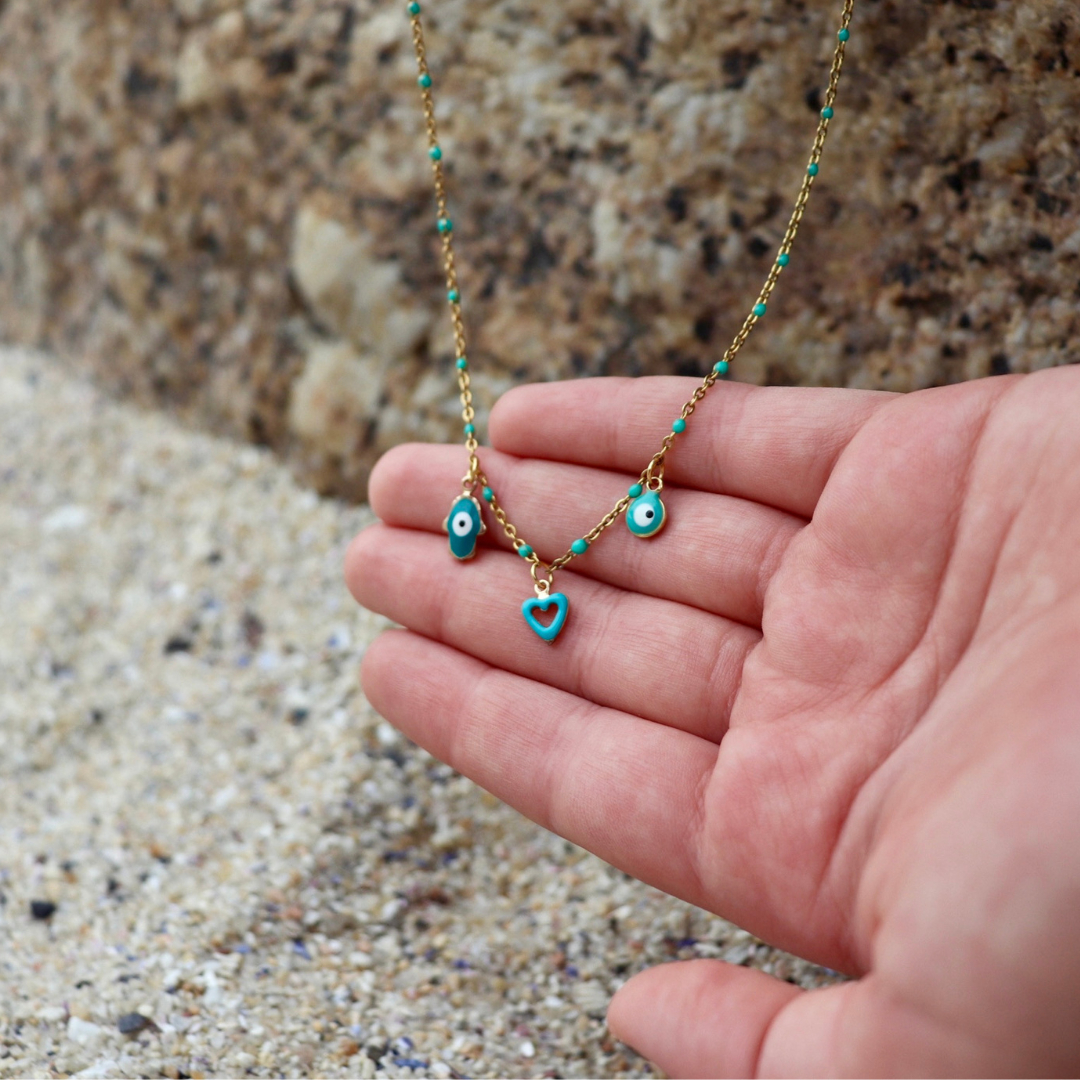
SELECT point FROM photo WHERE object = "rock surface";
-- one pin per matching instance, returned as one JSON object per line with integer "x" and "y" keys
{"x": 224, "y": 206}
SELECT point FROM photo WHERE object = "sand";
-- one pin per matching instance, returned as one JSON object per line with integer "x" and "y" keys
{"x": 215, "y": 859}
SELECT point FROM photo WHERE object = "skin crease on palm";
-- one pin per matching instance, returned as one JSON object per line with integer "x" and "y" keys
{"x": 836, "y": 700}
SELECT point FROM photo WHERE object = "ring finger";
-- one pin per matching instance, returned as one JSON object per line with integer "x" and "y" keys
{"x": 658, "y": 660}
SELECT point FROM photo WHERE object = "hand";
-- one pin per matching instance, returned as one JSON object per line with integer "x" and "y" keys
{"x": 836, "y": 700}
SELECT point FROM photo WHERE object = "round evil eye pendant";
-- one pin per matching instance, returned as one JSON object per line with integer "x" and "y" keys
{"x": 465, "y": 526}
{"x": 646, "y": 515}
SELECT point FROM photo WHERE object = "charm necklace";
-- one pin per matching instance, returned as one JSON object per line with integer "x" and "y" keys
{"x": 645, "y": 512}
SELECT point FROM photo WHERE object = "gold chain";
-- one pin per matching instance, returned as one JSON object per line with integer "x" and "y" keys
{"x": 652, "y": 475}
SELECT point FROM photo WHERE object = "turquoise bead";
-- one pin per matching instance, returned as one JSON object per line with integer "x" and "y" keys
{"x": 827, "y": 112}
{"x": 679, "y": 426}
{"x": 453, "y": 296}
{"x": 435, "y": 153}
{"x": 424, "y": 81}
{"x": 646, "y": 515}
{"x": 812, "y": 168}
{"x": 414, "y": 8}
{"x": 462, "y": 363}
{"x": 783, "y": 259}
{"x": 470, "y": 429}
{"x": 843, "y": 35}
{"x": 579, "y": 547}
{"x": 525, "y": 551}
{"x": 721, "y": 367}
{"x": 488, "y": 494}
{"x": 759, "y": 310}
{"x": 445, "y": 225}
{"x": 635, "y": 491}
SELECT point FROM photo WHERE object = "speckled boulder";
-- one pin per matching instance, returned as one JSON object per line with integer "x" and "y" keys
{"x": 225, "y": 207}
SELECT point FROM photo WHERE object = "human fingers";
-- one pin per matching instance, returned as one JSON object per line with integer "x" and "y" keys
{"x": 715, "y": 553}
{"x": 625, "y": 788}
{"x": 775, "y": 445}
{"x": 653, "y": 658}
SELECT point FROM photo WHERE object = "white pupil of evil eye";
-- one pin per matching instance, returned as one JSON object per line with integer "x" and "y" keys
{"x": 644, "y": 515}
{"x": 462, "y": 524}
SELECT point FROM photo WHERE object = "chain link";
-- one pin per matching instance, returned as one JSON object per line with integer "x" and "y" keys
{"x": 653, "y": 472}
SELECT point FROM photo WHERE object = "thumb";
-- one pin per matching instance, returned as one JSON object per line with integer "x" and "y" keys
{"x": 706, "y": 1018}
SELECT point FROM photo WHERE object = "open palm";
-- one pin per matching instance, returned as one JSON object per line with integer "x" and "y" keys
{"x": 836, "y": 700}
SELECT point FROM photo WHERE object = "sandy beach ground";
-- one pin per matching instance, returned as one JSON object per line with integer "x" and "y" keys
{"x": 215, "y": 859}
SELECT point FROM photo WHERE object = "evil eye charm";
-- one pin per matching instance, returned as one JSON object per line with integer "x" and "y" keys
{"x": 646, "y": 515}
{"x": 465, "y": 526}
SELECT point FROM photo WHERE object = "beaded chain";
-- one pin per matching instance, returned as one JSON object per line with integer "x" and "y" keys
{"x": 647, "y": 514}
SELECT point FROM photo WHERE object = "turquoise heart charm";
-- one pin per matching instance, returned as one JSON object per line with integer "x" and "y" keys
{"x": 646, "y": 515}
{"x": 542, "y": 603}
{"x": 465, "y": 526}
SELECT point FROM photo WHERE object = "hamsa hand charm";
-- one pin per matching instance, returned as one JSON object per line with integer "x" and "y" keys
{"x": 465, "y": 525}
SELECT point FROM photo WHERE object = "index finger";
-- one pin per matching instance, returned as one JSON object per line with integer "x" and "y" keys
{"x": 775, "y": 445}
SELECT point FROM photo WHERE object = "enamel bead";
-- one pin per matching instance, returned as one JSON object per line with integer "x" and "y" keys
{"x": 454, "y": 296}
{"x": 525, "y": 551}
{"x": 759, "y": 310}
{"x": 844, "y": 34}
{"x": 812, "y": 168}
{"x": 435, "y": 154}
{"x": 783, "y": 259}
{"x": 679, "y": 426}
{"x": 462, "y": 363}
{"x": 488, "y": 494}
{"x": 579, "y": 547}
{"x": 721, "y": 367}
{"x": 635, "y": 491}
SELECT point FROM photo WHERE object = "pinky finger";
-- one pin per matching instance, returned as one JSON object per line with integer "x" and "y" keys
{"x": 623, "y": 787}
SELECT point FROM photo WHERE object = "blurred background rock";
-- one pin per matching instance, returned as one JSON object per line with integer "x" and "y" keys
{"x": 224, "y": 208}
